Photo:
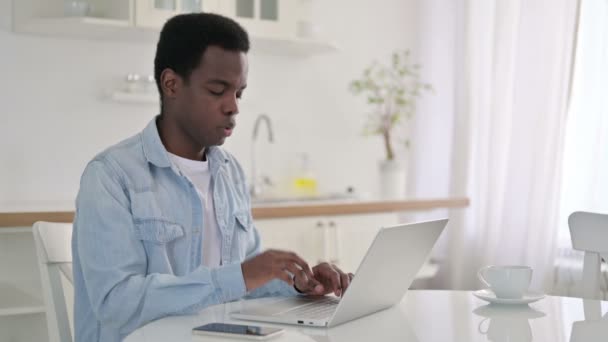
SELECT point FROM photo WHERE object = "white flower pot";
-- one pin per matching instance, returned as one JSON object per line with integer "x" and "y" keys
{"x": 393, "y": 177}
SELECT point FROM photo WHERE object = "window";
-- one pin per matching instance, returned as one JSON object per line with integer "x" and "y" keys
{"x": 585, "y": 163}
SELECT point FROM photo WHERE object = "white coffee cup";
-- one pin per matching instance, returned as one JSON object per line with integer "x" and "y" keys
{"x": 509, "y": 282}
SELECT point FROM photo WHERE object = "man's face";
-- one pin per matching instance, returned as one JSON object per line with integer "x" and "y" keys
{"x": 208, "y": 102}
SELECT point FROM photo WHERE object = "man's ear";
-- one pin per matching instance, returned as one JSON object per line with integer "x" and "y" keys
{"x": 170, "y": 83}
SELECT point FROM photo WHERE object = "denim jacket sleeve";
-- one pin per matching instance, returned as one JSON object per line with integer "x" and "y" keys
{"x": 274, "y": 287}
{"x": 114, "y": 266}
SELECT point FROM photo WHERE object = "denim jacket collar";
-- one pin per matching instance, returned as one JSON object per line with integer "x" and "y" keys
{"x": 156, "y": 154}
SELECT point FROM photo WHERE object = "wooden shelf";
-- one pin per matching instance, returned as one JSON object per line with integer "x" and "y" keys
{"x": 15, "y": 302}
{"x": 27, "y": 219}
{"x": 354, "y": 207}
{"x": 293, "y": 209}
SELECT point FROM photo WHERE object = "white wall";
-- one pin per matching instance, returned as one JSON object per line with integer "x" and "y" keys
{"x": 433, "y": 125}
{"x": 54, "y": 118}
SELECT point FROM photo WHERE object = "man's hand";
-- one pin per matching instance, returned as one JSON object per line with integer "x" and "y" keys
{"x": 328, "y": 278}
{"x": 272, "y": 264}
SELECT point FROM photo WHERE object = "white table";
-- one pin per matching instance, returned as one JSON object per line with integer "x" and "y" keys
{"x": 423, "y": 315}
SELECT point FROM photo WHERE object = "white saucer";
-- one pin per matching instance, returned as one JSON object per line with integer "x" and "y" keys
{"x": 489, "y": 296}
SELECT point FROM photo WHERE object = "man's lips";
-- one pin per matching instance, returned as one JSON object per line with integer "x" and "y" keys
{"x": 228, "y": 129}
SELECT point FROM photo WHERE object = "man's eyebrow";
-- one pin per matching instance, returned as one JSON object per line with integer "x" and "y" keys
{"x": 224, "y": 83}
{"x": 220, "y": 82}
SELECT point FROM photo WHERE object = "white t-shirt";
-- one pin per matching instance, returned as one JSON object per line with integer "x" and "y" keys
{"x": 198, "y": 173}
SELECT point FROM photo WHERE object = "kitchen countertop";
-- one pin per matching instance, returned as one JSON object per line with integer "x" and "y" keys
{"x": 272, "y": 210}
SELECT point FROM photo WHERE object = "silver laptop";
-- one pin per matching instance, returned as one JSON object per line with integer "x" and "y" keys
{"x": 384, "y": 276}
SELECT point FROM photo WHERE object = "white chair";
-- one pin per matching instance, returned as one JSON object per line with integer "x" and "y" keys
{"x": 589, "y": 233}
{"x": 53, "y": 246}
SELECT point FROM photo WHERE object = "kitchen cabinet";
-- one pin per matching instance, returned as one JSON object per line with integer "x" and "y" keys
{"x": 342, "y": 240}
{"x": 272, "y": 24}
{"x": 263, "y": 18}
{"x": 154, "y": 13}
{"x": 96, "y": 19}
{"x": 22, "y": 308}
{"x": 299, "y": 235}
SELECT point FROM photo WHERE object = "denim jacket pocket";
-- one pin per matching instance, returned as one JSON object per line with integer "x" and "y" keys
{"x": 242, "y": 220}
{"x": 158, "y": 231}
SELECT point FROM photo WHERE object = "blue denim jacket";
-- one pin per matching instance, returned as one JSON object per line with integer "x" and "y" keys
{"x": 138, "y": 237}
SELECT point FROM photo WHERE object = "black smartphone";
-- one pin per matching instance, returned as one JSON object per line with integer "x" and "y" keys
{"x": 251, "y": 332}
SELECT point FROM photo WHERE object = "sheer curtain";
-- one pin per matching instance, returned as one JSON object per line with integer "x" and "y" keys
{"x": 585, "y": 181}
{"x": 585, "y": 166}
{"x": 511, "y": 106}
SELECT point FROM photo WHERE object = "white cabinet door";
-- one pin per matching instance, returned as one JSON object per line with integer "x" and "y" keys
{"x": 299, "y": 235}
{"x": 22, "y": 310}
{"x": 342, "y": 240}
{"x": 353, "y": 236}
{"x": 263, "y": 18}
{"x": 154, "y": 13}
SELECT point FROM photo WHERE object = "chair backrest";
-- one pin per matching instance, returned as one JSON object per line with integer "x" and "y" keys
{"x": 53, "y": 247}
{"x": 589, "y": 233}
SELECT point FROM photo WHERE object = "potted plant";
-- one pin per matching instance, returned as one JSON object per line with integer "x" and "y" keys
{"x": 391, "y": 90}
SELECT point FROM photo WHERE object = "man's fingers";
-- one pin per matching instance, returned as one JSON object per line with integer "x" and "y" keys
{"x": 331, "y": 277}
{"x": 344, "y": 281}
{"x": 302, "y": 281}
{"x": 294, "y": 258}
{"x": 301, "y": 263}
{"x": 284, "y": 276}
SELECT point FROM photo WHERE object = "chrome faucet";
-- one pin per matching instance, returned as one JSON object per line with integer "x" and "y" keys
{"x": 259, "y": 183}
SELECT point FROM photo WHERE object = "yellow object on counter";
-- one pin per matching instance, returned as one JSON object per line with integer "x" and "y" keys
{"x": 305, "y": 186}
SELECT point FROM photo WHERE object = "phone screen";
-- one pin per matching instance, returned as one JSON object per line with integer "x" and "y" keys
{"x": 237, "y": 329}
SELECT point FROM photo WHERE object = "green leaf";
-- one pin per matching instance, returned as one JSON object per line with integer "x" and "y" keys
{"x": 395, "y": 118}
{"x": 375, "y": 99}
{"x": 391, "y": 86}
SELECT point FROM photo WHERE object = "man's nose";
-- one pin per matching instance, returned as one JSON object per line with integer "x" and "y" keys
{"x": 231, "y": 106}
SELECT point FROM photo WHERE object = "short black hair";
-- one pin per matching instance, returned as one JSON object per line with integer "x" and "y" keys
{"x": 185, "y": 37}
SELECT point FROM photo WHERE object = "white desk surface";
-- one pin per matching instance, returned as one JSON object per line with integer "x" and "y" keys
{"x": 423, "y": 315}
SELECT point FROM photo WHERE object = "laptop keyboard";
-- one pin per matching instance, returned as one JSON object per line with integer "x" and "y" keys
{"x": 317, "y": 309}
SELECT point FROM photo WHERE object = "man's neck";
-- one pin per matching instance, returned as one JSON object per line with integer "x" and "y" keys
{"x": 176, "y": 141}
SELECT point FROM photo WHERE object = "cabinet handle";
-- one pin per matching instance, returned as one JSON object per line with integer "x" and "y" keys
{"x": 331, "y": 245}
{"x": 325, "y": 240}
{"x": 336, "y": 243}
